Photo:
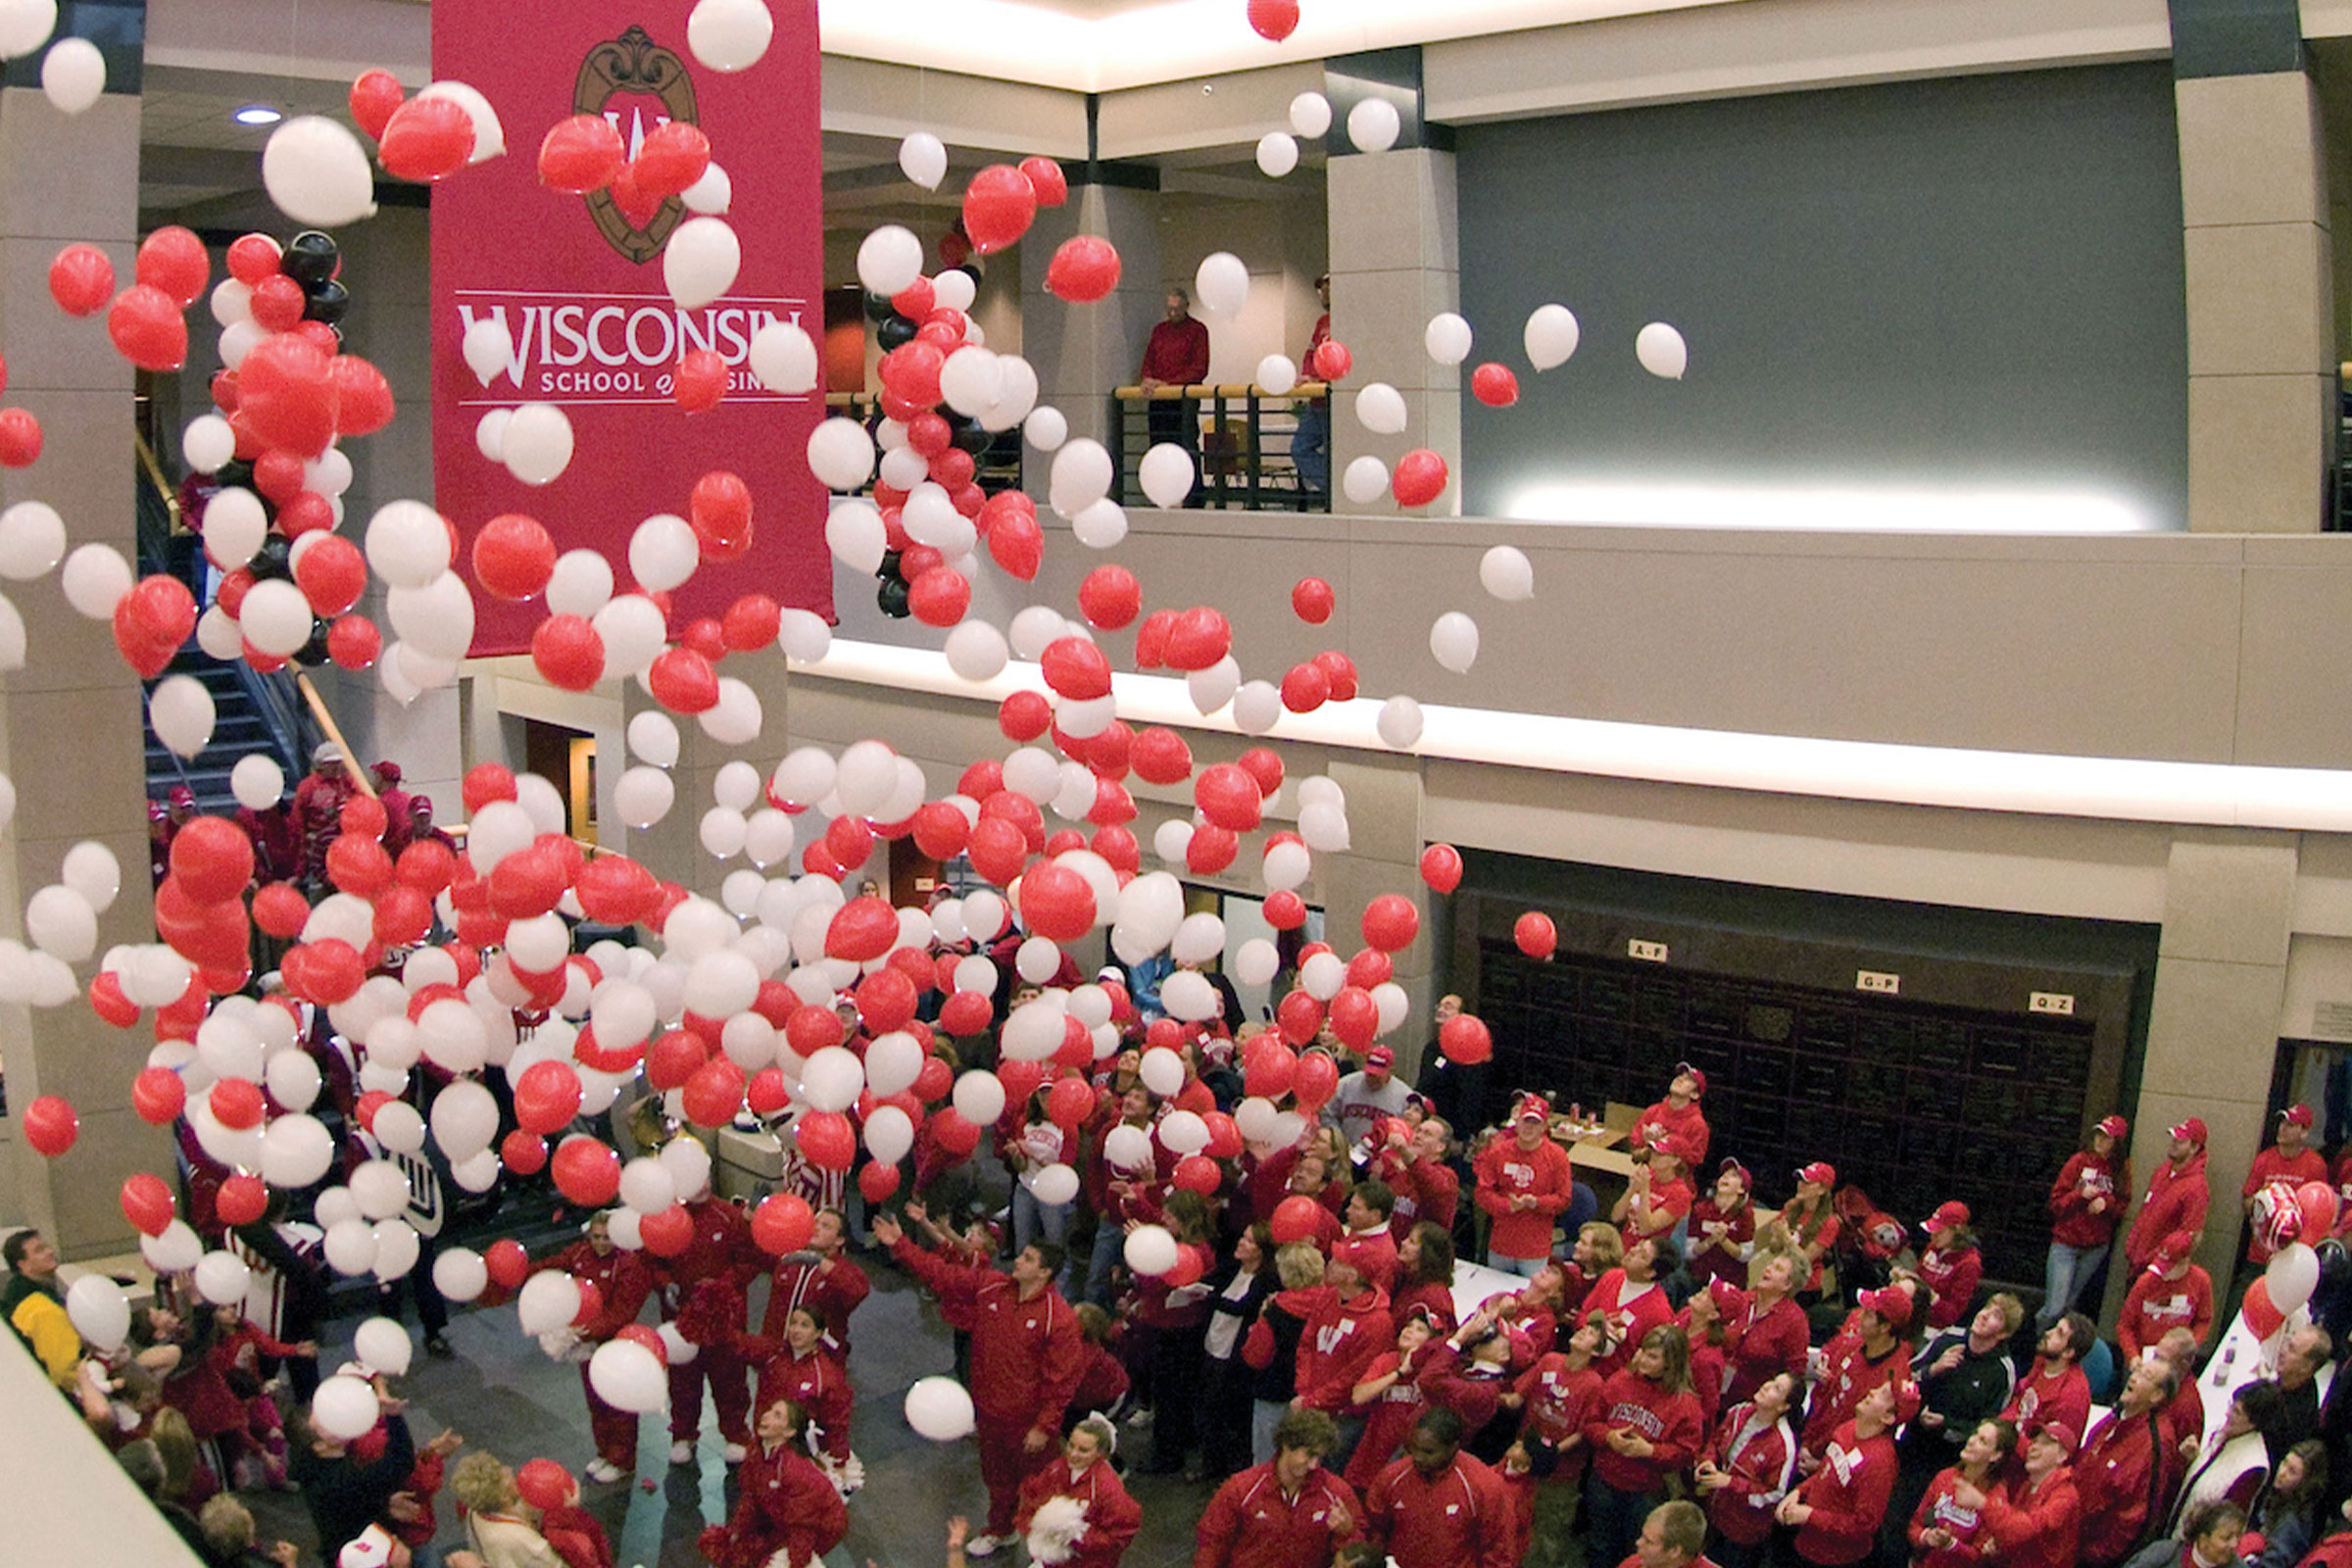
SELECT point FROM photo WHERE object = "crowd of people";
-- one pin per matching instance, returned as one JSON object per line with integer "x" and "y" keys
{"x": 291, "y": 838}
{"x": 1686, "y": 1376}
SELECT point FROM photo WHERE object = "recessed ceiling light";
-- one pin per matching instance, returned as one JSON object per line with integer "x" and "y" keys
{"x": 256, "y": 115}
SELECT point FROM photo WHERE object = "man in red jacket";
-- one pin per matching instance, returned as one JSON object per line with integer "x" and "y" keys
{"x": 2056, "y": 1389}
{"x": 1026, "y": 1357}
{"x": 1855, "y": 1368}
{"x": 2290, "y": 1159}
{"x": 1350, "y": 1329}
{"x": 2121, "y": 1473}
{"x": 1369, "y": 1244}
{"x": 1437, "y": 1507}
{"x": 1677, "y": 1116}
{"x": 1838, "y": 1510}
{"x": 1673, "y": 1535}
{"x": 720, "y": 1249}
{"x": 2176, "y": 1196}
{"x": 1286, "y": 1512}
{"x": 2171, "y": 1293}
{"x": 1177, "y": 357}
{"x": 1523, "y": 1182}
{"x": 823, "y": 1280}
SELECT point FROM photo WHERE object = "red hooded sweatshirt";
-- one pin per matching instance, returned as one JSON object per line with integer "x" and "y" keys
{"x": 1251, "y": 1523}
{"x": 1848, "y": 1496}
{"x": 1339, "y": 1342}
{"x": 2176, "y": 1201}
{"x": 1670, "y": 1421}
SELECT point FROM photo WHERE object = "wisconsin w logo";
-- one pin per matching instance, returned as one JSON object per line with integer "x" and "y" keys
{"x": 637, "y": 86}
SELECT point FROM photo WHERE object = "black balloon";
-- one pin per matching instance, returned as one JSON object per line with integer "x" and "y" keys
{"x": 894, "y": 332}
{"x": 892, "y": 599}
{"x": 890, "y": 567}
{"x": 235, "y": 473}
{"x": 310, "y": 258}
{"x": 878, "y": 307}
{"x": 313, "y": 652}
{"x": 967, "y": 433}
{"x": 271, "y": 561}
{"x": 328, "y": 301}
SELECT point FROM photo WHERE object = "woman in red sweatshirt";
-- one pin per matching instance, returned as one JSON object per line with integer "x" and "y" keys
{"x": 1082, "y": 1475}
{"x": 801, "y": 1369}
{"x": 1769, "y": 1336}
{"x": 2087, "y": 1205}
{"x": 1837, "y": 1511}
{"x": 1746, "y": 1471}
{"x": 2039, "y": 1525}
{"x": 1388, "y": 1398}
{"x": 1425, "y": 1278}
{"x": 1951, "y": 1266}
{"x": 1947, "y": 1533}
{"x": 1646, "y": 1428}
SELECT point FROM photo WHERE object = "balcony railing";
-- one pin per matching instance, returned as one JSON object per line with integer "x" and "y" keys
{"x": 1242, "y": 435}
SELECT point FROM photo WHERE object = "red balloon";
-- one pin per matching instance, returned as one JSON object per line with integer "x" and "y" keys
{"x": 1370, "y": 967}
{"x": 1354, "y": 1017}
{"x": 721, "y": 507}
{"x": 363, "y": 397}
{"x": 1198, "y": 1173}
{"x": 951, "y": 1132}
{"x": 1024, "y": 716}
{"x": 146, "y": 1203}
{"x": 671, "y": 158}
{"x": 1197, "y": 638}
{"x": 331, "y": 573}
{"x": 241, "y": 1199}
{"x": 547, "y": 1097}
{"x": 999, "y": 205}
{"x": 1535, "y": 934}
{"x": 514, "y": 556}
{"x": 1046, "y": 177}
{"x": 940, "y": 596}
{"x": 683, "y": 681}
{"x": 965, "y": 1013}
{"x": 1419, "y": 479}
{"x": 1274, "y": 20}
{"x": 280, "y": 910}
{"x": 827, "y": 1140}
{"x": 543, "y": 1483}
{"x": 523, "y": 1154}
{"x": 1312, "y": 601}
{"x": 277, "y": 303}
{"x": 940, "y": 830}
{"x": 751, "y": 623}
{"x": 508, "y": 1266}
{"x": 1210, "y": 850}
{"x": 81, "y": 279}
{"x": 1162, "y": 757}
{"x": 1110, "y": 597}
{"x": 353, "y": 641}
{"x": 426, "y": 139}
{"x": 1442, "y": 867}
{"x": 1056, "y": 903}
{"x": 235, "y": 1102}
{"x": 286, "y": 393}
{"x": 2318, "y": 1204}
{"x": 782, "y": 1223}
{"x": 324, "y": 973}
{"x": 877, "y": 1182}
{"x": 1086, "y": 268}
{"x": 1272, "y": 1067}
{"x": 810, "y": 1029}
{"x": 580, "y": 154}
{"x": 1465, "y": 1040}
{"x": 1391, "y": 923}
{"x": 174, "y": 260}
{"x": 715, "y": 1094}
{"x": 586, "y": 1171}
{"x": 616, "y": 890}
{"x": 698, "y": 383}
{"x": 1297, "y": 1218}
{"x": 567, "y": 650}
{"x": 666, "y": 1233}
{"x": 374, "y": 97}
{"x": 147, "y": 328}
{"x": 212, "y": 860}
{"x": 19, "y": 438}
{"x": 1494, "y": 385}
{"x": 2261, "y": 1318}
{"x": 157, "y": 1096}
{"x": 50, "y": 1125}
{"x": 1305, "y": 687}
{"x": 1016, "y": 545}
{"x": 1316, "y": 1080}
{"x": 862, "y": 930}
{"x": 1076, "y": 668}
{"x": 1229, "y": 797}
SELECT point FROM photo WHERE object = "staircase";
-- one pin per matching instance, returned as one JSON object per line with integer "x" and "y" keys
{"x": 252, "y": 712}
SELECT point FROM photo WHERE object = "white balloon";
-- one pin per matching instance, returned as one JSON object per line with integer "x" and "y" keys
{"x": 923, "y": 159}
{"x": 460, "y": 1274}
{"x": 699, "y": 264}
{"x": 1100, "y": 525}
{"x": 1082, "y": 475}
{"x": 1365, "y": 480}
{"x": 1150, "y": 1251}
{"x": 100, "y": 1312}
{"x": 548, "y": 1300}
{"x": 1129, "y": 1148}
{"x": 1399, "y": 722}
{"x": 1505, "y": 573}
{"x": 1052, "y": 1185}
{"x": 689, "y": 1166}
{"x": 580, "y": 585}
{"x": 1322, "y": 980}
{"x": 940, "y": 1408}
{"x": 842, "y": 456}
{"x": 1183, "y": 1132}
{"x": 180, "y": 711}
{"x": 729, "y": 35}
{"x": 490, "y": 434}
{"x": 889, "y": 260}
{"x": 1212, "y": 688}
{"x": 712, "y": 195}
{"x": 1310, "y": 115}
{"x": 1380, "y": 408}
{"x": 95, "y": 580}
{"x": 1447, "y": 338}
{"x": 1286, "y": 866}
{"x": 257, "y": 781}
{"x": 1325, "y": 829}
{"x": 663, "y": 551}
{"x": 32, "y": 539}
{"x": 349, "y": 1246}
{"x": 1166, "y": 474}
{"x": 971, "y": 379}
{"x": 976, "y": 651}
{"x": 833, "y": 1079}
{"x": 1189, "y": 998}
{"x": 1374, "y": 125}
{"x": 1663, "y": 354}
{"x": 628, "y": 1377}
{"x": 538, "y": 442}
{"x": 1222, "y": 285}
{"x": 464, "y": 1116}
{"x": 294, "y": 1080}
{"x": 1162, "y": 1071}
{"x": 176, "y": 1251}
{"x": 73, "y": 75}
{"x": 318, "y": 174}
{"x": 1046, "y": 429}
{"x": 276, "y": 618}
{"x": 60, "y": 923}
{"x": 488, "y": 349}
{"x": 1037, "y": 960}
{"x": 1453, "y": 641}
{"x": 1551, "y": 336}
{"x": 345, "y": 1408}
{"x": 296, "y": 1150}
{"x": 1256, "y": 961}
{"x": 653, "y": 738}
{"x": 209, "y": 441}
{"x": 1277, "y": 154}
{"x": 644, "y": 795}
{"x": 979, "y": 1097}
{"x": 1390, "y": 998}
{"x": 784, "y": 358}
{"x": 953, "y": 290}
{"x": 382, "y": 1346}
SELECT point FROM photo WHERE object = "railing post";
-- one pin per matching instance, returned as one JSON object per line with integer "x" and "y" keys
{"x": 1216, "y": 419}
{"x": 1257, "y": 412}
{"x": 1118, "y": 447}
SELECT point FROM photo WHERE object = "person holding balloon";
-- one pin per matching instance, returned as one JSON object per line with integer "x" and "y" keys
{"x": 2289, "y": 1159}
{"x": 622, "y": 1281}
{"x": 1176, "y": 357}
{"x": 1075, "y": 1510}
{"x": 720, "y": 1247}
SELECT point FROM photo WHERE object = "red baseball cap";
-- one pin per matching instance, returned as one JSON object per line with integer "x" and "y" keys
{"x": 1380, "y": 1059}
{"x": 1906, "y": 1403}
{"x": 2300, "y": 1115}
{"x": 2192, "y": 1129}
{"x": 1890, "y": 1303}
{"x": 1950, "y": 1213}
{"x": 2173, "y": 1249}
{"x": 1697, "y": 1078}
{"x": 1821, "y": 1173}
{"x": 1534, "y": 1106}
{"x": 2061, "y": 1432}
{"x": 2114, "y": 1126}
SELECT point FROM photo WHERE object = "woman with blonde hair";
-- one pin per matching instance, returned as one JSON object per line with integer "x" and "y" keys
{"x": 495, "y": 1527}
{"x": 1076, "y": 1511}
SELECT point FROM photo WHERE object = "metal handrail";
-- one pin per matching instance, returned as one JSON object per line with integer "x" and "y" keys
{"x": 1254, "y": 473}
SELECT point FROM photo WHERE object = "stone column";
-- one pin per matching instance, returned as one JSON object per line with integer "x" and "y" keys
{"x": 1396, "y": 261}
{"x": 2262, "y": 416}
{"x": 71, "y": 721}
{"x": 2213, "y": 1032}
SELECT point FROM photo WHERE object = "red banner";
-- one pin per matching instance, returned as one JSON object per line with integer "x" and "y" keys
{"x": 579, "y": 282}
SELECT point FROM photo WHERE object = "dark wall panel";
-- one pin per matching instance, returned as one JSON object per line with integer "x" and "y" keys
{"x": 1975, "y": 280}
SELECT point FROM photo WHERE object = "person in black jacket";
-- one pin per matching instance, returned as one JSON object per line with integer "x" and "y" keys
{"x": 1964, "y": 1376}
{"x": 346, "y": 1493}
{"x": 1237, "y": 1291}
